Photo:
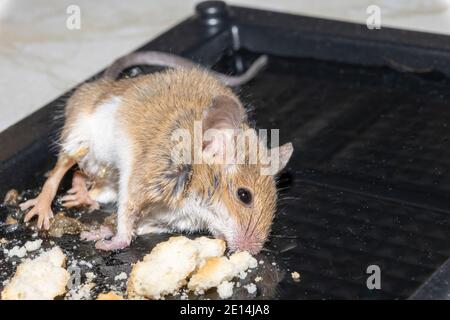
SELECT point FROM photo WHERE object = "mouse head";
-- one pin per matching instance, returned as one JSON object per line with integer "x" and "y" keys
{"x": 236, "y": 180}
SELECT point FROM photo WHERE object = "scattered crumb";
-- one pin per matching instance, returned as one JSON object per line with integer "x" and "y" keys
{"x": 258, "y": 279}
{"x": 17, "y": 252}
{"x": 90, "y": 276}
{"x": 274, "y": 263}
{"x": 34, "y": 235}
{"x": 33, "y": 245}
{"x": 251, "y": 288}
{"x": 225, "y": 289}
{"x": 121, "y": 276}
{"x": 295, "y": 275}
{"x": 184, "y": 296}
{"x": 3, "y": 241}
{"x": 81, "y": 293}
{"x": 261, "y": 261}
{"x": 243, "y": 261}
{"x": 42, "y": 278}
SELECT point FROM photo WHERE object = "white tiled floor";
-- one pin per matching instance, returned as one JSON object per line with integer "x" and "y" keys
{"x": 40, "y": 58}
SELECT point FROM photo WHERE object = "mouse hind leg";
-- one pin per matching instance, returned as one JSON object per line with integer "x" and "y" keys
{"x": 84, "y": 192}
{"x": 78, "y": 195}
{"x": 102, "y": 233}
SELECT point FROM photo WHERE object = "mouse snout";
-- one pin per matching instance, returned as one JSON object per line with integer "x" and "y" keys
{"x": 245, "y": 243}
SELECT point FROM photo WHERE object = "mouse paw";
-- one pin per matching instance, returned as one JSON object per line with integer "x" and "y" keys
{"x": 76, "y": 198}
{"x": 99, "y": 234}
{"x": 41, "y": 207}
{"x": 78, "y": 195}
{"x": 116, "y": 243}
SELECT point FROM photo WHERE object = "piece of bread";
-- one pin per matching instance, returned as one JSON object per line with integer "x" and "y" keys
{"x": 165, "y": 270}
{"x": 43, "y": 278}
{"x": 208, "y": 247}
{"x": 242, "y": 261}
{"x": 225, "y": 289}
{"x": 217, "y": 270}
{"x": 212, "y": 273}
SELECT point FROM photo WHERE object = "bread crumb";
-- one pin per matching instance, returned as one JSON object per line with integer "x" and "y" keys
{"x": 218, "y": 269}
{"x": 42, "y": 278}
{"x": 225, "y": 289}
{"x": 33, "y": 245}
{"x": 295, "y": 275}
{"x": 90, "y": 276}
{"x": 258, "y": 279}
{"x": 3, "y": 241}
{"x": 17, "y": 252}
{"x": 170, "y": 264}
{"x": 251, "y": 288}
{"x": 184, "y": 296}
{"x": 208, "y": 247}
{"x": 121, "y": 276}
{"x": 83, "y": 292}
{"x": 164, "y": 270}
{"x": 243, "y": 261}
{"x": 212, "y": 273}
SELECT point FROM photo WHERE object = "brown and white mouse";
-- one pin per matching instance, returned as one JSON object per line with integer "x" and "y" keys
{"x": 120, "y": 133}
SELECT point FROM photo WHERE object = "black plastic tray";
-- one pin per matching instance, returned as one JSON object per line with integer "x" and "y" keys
{"x": 368, "y": 112}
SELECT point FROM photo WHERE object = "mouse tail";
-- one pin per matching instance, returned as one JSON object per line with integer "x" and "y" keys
{"x": 162, "y": 59}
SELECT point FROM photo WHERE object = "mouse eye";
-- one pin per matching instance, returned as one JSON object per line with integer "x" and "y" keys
{"x": 244, "y": 195}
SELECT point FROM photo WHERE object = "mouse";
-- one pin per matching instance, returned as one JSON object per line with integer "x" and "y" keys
{"x": 124, "y": 136}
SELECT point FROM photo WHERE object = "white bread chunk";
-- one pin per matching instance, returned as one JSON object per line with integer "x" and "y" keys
{"x": 219, "y": 269}
{"x": 170, "y": 264}
{"x": 242, "y": 261}
{"x": 208, "y": 248}
{"x": 213, "y": 272}
{"x": 43, "y": 278}
{"x": 225, "y": 289}
{"x": 164, "y": 270}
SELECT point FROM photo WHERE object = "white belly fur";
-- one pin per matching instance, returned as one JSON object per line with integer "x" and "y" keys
{"x": 99, "y": 133}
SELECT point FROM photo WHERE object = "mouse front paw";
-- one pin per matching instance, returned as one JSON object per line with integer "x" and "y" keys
{"x": 41, "y": 207}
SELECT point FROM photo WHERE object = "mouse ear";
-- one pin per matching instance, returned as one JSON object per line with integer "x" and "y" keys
{"x": 225, "y": 113}
{"x": 219, "y": 124}
{"x": 285, "y": 152}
